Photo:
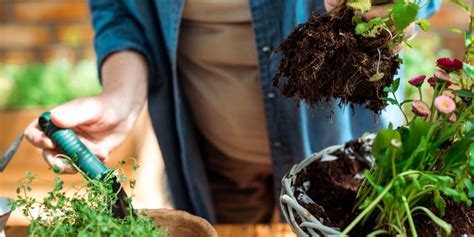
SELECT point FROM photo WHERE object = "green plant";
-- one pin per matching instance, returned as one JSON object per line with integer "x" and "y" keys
{"x": 431, "y": 159}
{"x": 403, "y": 13}
{"x": 81, "y": 211}
{"x": 46, "y": 85}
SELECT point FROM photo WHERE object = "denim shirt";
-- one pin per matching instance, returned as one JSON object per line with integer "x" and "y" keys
{"x": 151, "y": 27}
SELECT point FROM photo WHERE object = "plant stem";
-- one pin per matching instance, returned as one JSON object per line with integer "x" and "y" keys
{"x": 471, "y": 20}
{"x": 400, "y": 107}
{"x": 366, "y": 210}
{"x": 419, "y": 92}
{"x": 394, "y": 167}
{"x": 410, "y": 219}
{"x": 435, "y": 94}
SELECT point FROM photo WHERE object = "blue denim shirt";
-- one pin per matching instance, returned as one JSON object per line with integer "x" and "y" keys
{"x": 151, "y": 27}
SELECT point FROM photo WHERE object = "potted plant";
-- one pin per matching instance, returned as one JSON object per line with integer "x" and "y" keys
{"x": 408, "y": 181}
{"x": 85, "y": 210}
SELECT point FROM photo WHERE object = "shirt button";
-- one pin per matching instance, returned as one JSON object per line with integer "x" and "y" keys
{"x": 277, "y": 144}
{"x": 271, "y": 95}
{"x": 266, "y": 49}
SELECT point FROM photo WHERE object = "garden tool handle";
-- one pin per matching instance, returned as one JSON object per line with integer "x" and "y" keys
{"x": 67, "y": 142}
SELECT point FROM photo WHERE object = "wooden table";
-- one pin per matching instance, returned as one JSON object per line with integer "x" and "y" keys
{"x": 274, "y": 230}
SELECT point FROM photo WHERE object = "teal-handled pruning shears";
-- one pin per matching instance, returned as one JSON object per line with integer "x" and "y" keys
{"x": 68, "y": 143}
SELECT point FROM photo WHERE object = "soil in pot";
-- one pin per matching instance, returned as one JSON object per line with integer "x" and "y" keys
{"x": 323, "y": 59}
{"x": 334, "y": 186}
{"x": 328, "y": 190}
{"x": 459, "y": 215}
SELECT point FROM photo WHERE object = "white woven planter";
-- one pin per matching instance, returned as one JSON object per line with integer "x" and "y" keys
{"x": 5, "y": 211}
{"x": 313, "y": 225}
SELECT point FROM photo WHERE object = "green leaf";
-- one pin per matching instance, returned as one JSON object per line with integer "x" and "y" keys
{"x": 390, "y": 100}
{"x": 460, "y": 4}
{"x": 469, "y": 129}
{"x": 395, "y": 85}
{"x": 438, "y": 221}
{"x": 376, "y": 77}
{"x": 469, "y": 186}
{"x": 467, "y": 40}
{"x": 360, "y": 5}
{"x": 439, "y": 202}
{"x": 383, "y": 141}
{"x": 424, "y": 24}
{"x": 418, "y": 128}
{"x": 403, "y": 14}
{"x": 456, "y": 30}
{"x": 464, "y": 93}
{"x": 371, "y": 28}
{"x": 457, "y": 152}
{"x": 468, "y": 70}
{"x": 449, "y": 191}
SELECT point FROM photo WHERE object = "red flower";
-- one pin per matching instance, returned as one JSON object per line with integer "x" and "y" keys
{"x": 417, "y": 81}
{"x": 449, "y": 64}
{"x": 432, "y": 81}
{"x": 448, "y": 83}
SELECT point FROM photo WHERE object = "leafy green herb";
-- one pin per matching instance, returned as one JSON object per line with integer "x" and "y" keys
{"x": 80, "y": 211}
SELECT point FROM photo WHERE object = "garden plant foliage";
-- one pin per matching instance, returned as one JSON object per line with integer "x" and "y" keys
{"x": 46, "y": 85}
{"x": 82, "y": 211}
{"x": 429, "y": 160}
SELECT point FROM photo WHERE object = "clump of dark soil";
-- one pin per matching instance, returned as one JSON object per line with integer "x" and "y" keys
{"x": 323, "y": 59}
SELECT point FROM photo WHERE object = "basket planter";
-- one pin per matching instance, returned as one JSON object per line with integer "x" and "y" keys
{"x": 5, "y": 211}
{"x": 312, "y": 210}
{"x": 301, "y": 220}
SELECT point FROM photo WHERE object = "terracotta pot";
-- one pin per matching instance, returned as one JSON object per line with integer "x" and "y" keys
{"x": 182, "y": 224}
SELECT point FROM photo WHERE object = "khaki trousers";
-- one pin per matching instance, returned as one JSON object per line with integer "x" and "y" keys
{"x": 242, "y": 192}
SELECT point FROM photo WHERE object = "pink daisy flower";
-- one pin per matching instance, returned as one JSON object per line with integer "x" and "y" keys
{"x": 417, "y": 81}
{"x": 445, "y": 104}
{"x": 453, "y": 117}
{"x": 449, "y": 64}
{"x": 441, "y": 75}
{"x": 420, "y": 108}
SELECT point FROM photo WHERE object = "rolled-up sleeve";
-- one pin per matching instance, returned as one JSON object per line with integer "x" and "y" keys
{"x": 431, "y": 7}
{"x": 116, "y": 30}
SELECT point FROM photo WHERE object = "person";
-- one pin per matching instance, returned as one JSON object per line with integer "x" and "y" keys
{"x": 205, "y": 67}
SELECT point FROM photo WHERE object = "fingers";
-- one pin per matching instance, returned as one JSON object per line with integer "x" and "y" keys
{"x": 77, "y": 112}
{"x": 52, "y": 158}
{"x": 409, "y": 33}
{"x": 97, "y": 150}
{"x": 34, "y": 134}
{"x": 331, "y": 4}
{"x": 376, "y": 11}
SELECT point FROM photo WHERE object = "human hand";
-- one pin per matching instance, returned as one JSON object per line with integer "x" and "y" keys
{"x": 101, "y": 123}
{"x": 376, "y": 11}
